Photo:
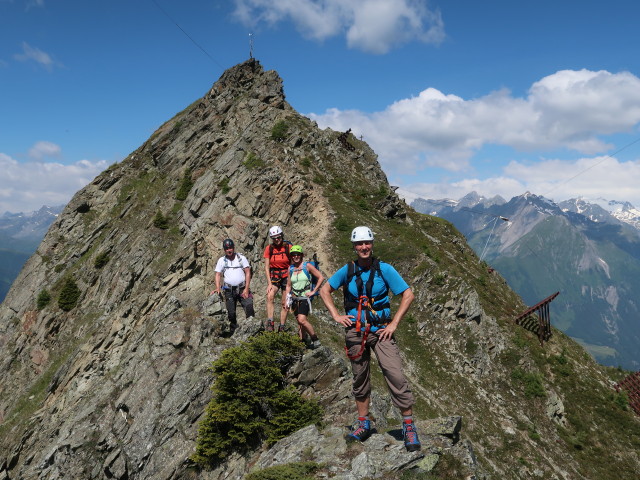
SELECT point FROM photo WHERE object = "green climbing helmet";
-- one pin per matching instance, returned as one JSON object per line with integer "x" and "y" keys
{"x": 295, "y": 249}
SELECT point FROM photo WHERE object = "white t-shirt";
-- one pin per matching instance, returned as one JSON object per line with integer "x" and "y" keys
{"x": 233, "y": 269}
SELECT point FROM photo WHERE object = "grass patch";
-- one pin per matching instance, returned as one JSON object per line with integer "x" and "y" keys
{"x": 290, "y": 471}
{"x": 532, "y": 382}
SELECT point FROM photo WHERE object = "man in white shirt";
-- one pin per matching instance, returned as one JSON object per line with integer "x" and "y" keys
{"x": 233, "y": 276}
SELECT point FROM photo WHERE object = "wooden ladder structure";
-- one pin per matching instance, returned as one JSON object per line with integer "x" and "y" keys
{"x": 543, "y": 326}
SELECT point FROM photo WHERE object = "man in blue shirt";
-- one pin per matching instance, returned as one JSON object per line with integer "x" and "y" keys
{"x": 369, "y": 326}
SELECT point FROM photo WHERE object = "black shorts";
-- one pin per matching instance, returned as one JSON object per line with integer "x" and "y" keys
{"x": 280, "y": 282}
{"x": 300, "y": 307}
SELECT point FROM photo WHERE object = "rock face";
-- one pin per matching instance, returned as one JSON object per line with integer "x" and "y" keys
{"x": 115, "y": 387}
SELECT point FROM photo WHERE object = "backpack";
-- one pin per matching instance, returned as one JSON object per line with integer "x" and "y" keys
{"x": 313, "y": 280}
{"x": 287, "y": 246}
{"x": 227, "y": 262}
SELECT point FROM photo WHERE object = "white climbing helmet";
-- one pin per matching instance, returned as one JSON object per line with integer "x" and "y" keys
{"x": 275, "y": 231}
{"x": 360, "y": 234}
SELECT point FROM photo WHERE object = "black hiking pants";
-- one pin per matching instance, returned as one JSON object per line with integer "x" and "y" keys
{"x": 233, "y": 295}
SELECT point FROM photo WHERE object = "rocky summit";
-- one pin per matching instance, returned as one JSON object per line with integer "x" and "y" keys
{"x": 108, "y": 335}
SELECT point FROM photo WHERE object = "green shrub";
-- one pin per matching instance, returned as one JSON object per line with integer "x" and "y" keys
{"x": 224, "y": 185}
{"x": 69, "y": 295}
{"x": 560, "y": 365}
{"x": 279, "y": 131}
{"x": 253, "y": 161}
{"x": 101, "y": 260}
{"x": 185, "y": 186}
{"x": 342, "y": 224}
{"x": 621, "y": 399}
{"x": 305, "y": 162}
{"x": 43, "y": 299}
{"x": 532, "y": 383}
{"x": 289, "y": 471}
{"x": 160, "y": 221}
{"x": 252, "y": 401}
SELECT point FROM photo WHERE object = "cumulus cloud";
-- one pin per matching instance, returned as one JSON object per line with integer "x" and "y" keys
{"x": 374, "y": 26}
{"x": 34, "y": 54}
{"x": 569, "y": 109}
{"x": 25, "y": 187}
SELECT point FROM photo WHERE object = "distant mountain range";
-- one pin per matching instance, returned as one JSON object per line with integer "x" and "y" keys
{"x": 589, "y": 250}
{"x": 20, "y": 235}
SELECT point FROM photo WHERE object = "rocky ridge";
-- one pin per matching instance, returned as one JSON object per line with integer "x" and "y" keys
{"x": 115, "y": 387}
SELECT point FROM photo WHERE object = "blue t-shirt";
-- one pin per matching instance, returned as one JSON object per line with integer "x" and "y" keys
{"x": 395, "y": 283}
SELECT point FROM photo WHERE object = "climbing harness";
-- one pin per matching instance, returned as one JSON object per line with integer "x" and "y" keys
{"x": 365, "y": 301}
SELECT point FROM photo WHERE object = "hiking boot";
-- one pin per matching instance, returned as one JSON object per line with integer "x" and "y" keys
{"x": 361, "y": 430}
{"x": 281, "y": 328}
{"x": 410, "y": 434}
{"x": 315, "y": 344}
{"x": 269, "y": 326}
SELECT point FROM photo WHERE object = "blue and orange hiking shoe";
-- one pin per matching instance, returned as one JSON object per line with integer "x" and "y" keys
{"x": 410, "y": 434}
{"x": 361, "y": 430}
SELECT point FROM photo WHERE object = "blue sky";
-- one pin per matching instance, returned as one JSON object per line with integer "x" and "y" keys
{"x": 500, "y": 97}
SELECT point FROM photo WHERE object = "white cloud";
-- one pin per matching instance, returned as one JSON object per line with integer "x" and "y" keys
{"x": 44, "y": 149}
{"x": 558, "y": 180}
{"x": 569, "y": 109}
{"x": 30, "y": 53}
{"x": 374, "y": 26}
{"x": 26, "y": 187}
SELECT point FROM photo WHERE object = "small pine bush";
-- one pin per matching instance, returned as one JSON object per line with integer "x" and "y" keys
{"x": 185, "y": 186}
{"x": 253, "y": 161}
{"x": 279, "y": 131}
{"x": 101, "y": 260}
{"x": 69, "y": 295}
{"x": 252, "y": 401}
{"x": 224, "y": 185}
{"x": 43, "y": 299}
{"x": 160, "y": 221}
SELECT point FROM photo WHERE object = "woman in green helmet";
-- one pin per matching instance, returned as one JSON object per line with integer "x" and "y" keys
{"x": 299, "y": 286}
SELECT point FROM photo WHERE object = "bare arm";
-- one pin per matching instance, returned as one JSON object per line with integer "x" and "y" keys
{"x": 267, "y": 271}
{"x": 325, "y": 294}
{"x": 218, "y": 282}
{"x": 287, "y": 290}
{"x": 247, "y": 281}
{"x": 316, "y": 273}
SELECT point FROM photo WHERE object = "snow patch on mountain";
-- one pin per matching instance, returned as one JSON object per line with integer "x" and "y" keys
{"x": 622, "y": 211}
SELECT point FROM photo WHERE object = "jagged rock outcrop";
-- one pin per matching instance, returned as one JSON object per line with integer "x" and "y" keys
{"x": 115, "y": 387}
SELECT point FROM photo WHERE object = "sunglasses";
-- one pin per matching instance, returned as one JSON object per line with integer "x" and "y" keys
{"x": 277, "y": 237}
